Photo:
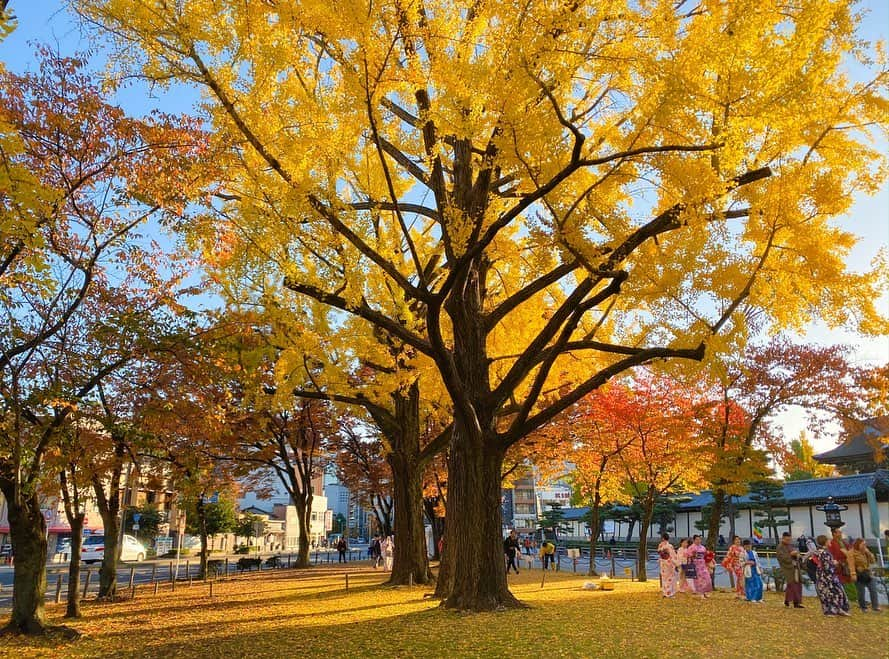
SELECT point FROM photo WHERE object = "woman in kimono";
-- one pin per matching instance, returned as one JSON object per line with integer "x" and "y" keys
{"x": 734, "y": 562}
{"x": 685, "y": 586}
{"x": 388, "y": 549}
{"x": 752, "y": 576}
{"x": 667, "y": 562}
{"x": 703, "y": 584}
{"x": 830, "y": 591}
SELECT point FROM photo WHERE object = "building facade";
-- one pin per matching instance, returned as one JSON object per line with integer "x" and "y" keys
{"x": 802, "y": 500}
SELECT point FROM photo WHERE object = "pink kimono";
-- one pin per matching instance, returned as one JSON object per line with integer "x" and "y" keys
{"x": 703, "y": 584}
{"x": 667, "y": 562}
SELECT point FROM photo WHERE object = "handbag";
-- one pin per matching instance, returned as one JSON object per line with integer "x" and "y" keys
{"x": 689, "y": 570}
{"x": 864, "y": 577}
{"x": 747, "y": 572}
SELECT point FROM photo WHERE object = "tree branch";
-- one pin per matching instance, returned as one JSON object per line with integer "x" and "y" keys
{"x": 514, "y": 434}
{"x": 362, "y": 311}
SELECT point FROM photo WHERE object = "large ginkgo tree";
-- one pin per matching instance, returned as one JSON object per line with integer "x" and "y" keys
{"x": 526, "y": 199}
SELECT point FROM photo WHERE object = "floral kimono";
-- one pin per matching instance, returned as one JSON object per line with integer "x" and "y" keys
{"x": 667, "y": 562}
{"x": 830, "y": 591}
{"x": 685, "y": 585}
{"x": 734, "y": 562}
{"x": 703, "y": 584}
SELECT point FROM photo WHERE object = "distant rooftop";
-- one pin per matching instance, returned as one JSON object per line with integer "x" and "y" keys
{"x": 862, "y": 448}
{"x": 815, "y": 490}
{"x": 843, "y": 489}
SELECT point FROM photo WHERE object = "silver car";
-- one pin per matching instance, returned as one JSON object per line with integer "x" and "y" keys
{"x": 93, "y": 549}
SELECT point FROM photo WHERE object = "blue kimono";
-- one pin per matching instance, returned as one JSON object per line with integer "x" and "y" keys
{"x": 753, "y": 583}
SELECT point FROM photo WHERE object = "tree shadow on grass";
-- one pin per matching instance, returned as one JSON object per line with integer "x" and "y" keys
{"x": 221, "y": 600}
{"x": 398, "y": 635}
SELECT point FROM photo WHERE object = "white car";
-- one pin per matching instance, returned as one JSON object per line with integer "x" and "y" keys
{"x": 93, "y": 549}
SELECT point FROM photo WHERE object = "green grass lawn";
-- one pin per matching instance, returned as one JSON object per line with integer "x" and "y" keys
{"x": 309, "y": 614}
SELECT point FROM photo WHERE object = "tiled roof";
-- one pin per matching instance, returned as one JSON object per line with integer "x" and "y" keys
{"x": 841, "y": 488}
{"x": 575, "y": 514}
{"x": 816, "y": 490}
{"x": 861, "y": 447}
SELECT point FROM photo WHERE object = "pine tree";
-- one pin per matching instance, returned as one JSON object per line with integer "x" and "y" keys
{"x": 770, "y": 506}
{"x": 554, "y": 518}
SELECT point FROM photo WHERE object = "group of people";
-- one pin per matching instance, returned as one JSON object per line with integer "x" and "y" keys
{"x": 839, "y": 569}
{"x": 686, "y": 569}
{"x": 382, "y": 551}
{"x": 513, "y": 546}
{"x": 842, "y": 570}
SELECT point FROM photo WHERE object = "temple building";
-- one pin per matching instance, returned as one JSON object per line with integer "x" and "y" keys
{"x": 862, "y": 452}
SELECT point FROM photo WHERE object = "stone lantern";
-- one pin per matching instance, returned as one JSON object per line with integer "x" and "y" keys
{"x": 832, "y": 512}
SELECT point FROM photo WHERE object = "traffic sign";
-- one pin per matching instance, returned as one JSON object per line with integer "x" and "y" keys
{"x": 136, "y": 526}
{"x": 136, "y": 518}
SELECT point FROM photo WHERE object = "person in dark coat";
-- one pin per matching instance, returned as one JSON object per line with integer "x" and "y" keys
{"x": 511, "y": 548}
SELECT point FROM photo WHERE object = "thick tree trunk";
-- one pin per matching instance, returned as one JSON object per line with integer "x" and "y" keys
{"x": 475, "y": 572}
{"x": 108, "y": 570}
{"x": 109, "y": 509}
{"x": 410, "y": 560}
{"x": 72, "y": 609}
{"x": 632, "y": 525}
{"x": 715, "y": 517}
{"x": 28, "y": 530}
{"x": 303, "y": 505}
{"x": 401, "y": 426}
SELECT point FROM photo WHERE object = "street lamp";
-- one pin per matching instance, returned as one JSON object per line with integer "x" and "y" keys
{"x": 832, "y": 512}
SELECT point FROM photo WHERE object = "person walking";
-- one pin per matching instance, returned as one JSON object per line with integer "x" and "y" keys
{"x": 789, "y": 562}
{"x": 865, "y": 581}
{"x": 388, "y": 549}
{"x": 703, "y": 584}
{"x": 341, "y": 547}
{"x": 839, "y": 549}
{"x": 834, "y": 601}
{"x": 734, "y": 562}
{"x": 510, "y": 548}
{"x": 375, "y": 553}
{"x": 667, "y": 563}
{"x": 752, "y": 574}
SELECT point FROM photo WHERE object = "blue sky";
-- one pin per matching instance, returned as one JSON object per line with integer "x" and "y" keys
{"x": 48, "y": 21}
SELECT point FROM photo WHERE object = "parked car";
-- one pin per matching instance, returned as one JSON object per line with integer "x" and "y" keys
{"x": 93, "y": 549}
